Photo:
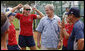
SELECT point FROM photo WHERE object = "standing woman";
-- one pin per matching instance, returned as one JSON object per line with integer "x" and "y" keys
{"x": 26, "y": 20}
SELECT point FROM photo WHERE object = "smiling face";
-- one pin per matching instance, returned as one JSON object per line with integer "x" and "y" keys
{"x": 71, "y": 18}
{"x": 48, "y": 11}
{"x": 11, "y": 18}
{"x": 67, "y": 9}
{"x": 26, "y": 10}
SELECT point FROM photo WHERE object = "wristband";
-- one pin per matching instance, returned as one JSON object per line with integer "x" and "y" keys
{"x": 60, "y": 40}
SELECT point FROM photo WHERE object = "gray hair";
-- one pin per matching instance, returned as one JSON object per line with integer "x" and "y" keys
{"x": 50, "y": 6}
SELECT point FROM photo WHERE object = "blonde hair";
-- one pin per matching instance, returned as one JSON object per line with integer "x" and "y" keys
{"x": 26, "y": 5}
{"x": 50, "y": 6}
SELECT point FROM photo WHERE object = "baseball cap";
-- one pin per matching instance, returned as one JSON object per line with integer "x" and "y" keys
{"x": 8, "y": 9}
{"x": 75, "y": 11}
{"x": 9, "y": 13}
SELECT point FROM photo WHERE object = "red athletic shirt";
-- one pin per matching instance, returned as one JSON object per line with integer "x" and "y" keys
{"x": 68, "y": 28}
{"x": 12, "y": 35}
{"x": 26, "y": 24}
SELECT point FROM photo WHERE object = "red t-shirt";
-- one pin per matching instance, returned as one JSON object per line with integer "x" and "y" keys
{"x": 12, "y": 35}
{"x": 26, "y": 24}
{"x": 69, "y": 29}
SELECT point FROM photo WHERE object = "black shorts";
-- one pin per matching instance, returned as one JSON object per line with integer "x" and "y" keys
{"x": 13, "y": 47}
{"x": 26, "y": 41}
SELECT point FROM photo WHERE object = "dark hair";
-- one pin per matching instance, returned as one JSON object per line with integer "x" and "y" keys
{"x": 67, "y": 7}
{"x": 3, "y": 18}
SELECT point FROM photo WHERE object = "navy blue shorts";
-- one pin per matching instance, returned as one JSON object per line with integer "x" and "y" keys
{"x": 64, "y": 48}
{"x": 13, "y": 47}
{"x": 26, "y": 41}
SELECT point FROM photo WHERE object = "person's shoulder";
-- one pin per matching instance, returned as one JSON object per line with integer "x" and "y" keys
{"x": 64, "y": 12}
{"x": 19, "y": 14}
{"x": 57, "y": 18}
{"x": 79, "y": 24}
{"x": 44, "y": 18}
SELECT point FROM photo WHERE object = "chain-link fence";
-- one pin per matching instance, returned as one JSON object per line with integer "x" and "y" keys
{"x": 60, "y": 7}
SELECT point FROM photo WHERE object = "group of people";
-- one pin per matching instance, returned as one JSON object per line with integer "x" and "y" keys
{"x": 51, "y": 31}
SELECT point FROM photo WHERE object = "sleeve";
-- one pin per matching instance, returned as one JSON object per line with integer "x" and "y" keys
{"x": 58, "y": 29}
{"x": 18, "y": 15}
{"x": 79, "y": 32}
{"x": 9, "y": 13}
{"x": 40, "y": 26}
{"x": 34, "y": 16}
{"x": 58, "y": 33}
{"x": 59, "y": 19}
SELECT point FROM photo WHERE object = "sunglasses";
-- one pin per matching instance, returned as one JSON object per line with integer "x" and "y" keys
{"x": 27, "y": 9}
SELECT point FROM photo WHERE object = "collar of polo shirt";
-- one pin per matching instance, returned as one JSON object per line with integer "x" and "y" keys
{"x": 51, "y": 19}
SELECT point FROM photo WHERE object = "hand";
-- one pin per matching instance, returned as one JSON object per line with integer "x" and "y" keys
{"x": 63, "y": 22}
{"x": 59, "y": 24}
{"x": 67, "y": 19}
{"x": 39, "y": 45}
{"x": 59, "y": 45}
{"x": 20, "y": 6}
{"x": 34, "y": 9}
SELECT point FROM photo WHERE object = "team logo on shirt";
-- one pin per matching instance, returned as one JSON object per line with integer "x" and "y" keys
{"x": 29, "y": 19}
{"x": 66, "y": 29}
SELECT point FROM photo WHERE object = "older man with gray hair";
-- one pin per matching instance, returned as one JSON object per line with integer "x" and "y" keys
{"x": 48, "y": 30}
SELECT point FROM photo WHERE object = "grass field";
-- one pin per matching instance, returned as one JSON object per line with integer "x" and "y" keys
{"x": 16, "y": 23}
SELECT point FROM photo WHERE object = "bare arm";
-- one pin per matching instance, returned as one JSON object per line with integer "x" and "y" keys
{"x": 38, "y": 36}
{"x": 65, "y": 33}
{"x": 4, "y": 39}
{"x": 61, "y": 33}
{"x": 80, "y": 44}
{"x": 11, "y": 11}
{"x": 17, "y": 7}
{"x": 38, "y": 39}
{"x": 14, "y": 8}
{"x": 40, "y": 13}
{"x": 61, "y": 29}
{"x": 60, "y": 42}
